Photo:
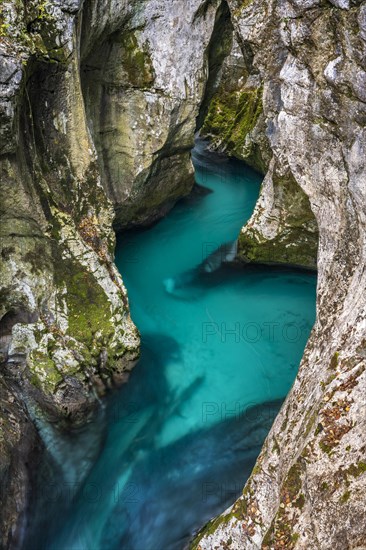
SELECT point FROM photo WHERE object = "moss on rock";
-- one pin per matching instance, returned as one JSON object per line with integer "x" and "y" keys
{"x": 88, "y": 308}
{"x": 44, "y": 373}
{"x": 136, "y": 61}
{"x": 281, "y": 533}
{"x": 230, "y": 119}
{"x": 209, "y": 529}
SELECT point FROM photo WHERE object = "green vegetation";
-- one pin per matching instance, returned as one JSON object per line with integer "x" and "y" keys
{"x": 31, "y": 28}
{"x": 209, "y": 529}
{"x": 88, "y": 306}
{"x": 356, "y": 470}
{"x": 345, "y": 497}
{"x": 4, "y": 28}
{"x": 136, "y": 62}
{"x": 334, "y": 361}
{"x": 44, "y": 374}
{"x": 231, "y": 117}
{"x": 280, "y": 533}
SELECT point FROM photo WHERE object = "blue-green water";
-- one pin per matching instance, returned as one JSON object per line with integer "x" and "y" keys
{"x": 220, "y": 350}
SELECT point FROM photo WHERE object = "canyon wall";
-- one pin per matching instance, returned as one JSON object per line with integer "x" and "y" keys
{"x": 66, "y": 335}
{"x": 308, "y": 487}
{"x": 144, "y": 80}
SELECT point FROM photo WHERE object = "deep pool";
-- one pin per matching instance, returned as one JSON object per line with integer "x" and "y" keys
{"x": 220, "y": 350}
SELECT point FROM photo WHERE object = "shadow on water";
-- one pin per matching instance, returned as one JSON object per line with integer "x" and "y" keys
{"x": 199, "y": 475}
{"x": 191, "y": 283}
{"x": 131, "y": 497}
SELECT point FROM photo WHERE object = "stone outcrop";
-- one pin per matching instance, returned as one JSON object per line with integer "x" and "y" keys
{"x": 308, "y": 487}
{"x": 283, "y": 229}
{"x": 144, "y": 80}
{"x": 66, "y": 334}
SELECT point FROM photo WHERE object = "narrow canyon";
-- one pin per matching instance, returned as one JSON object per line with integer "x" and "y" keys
{"x": 168, "y": 166}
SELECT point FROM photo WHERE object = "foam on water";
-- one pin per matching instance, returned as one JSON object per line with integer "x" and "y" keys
{"x": 220, "y": 351}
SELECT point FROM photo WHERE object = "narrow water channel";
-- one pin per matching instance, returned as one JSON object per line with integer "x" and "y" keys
{"x": 220, "y": 349}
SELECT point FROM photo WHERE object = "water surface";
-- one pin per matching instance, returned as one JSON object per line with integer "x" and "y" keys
{"x": 220, "y": 350}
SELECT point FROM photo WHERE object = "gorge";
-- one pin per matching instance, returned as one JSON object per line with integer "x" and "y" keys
{"x": 99, "y": 105}
{"x": 218, "y": 356}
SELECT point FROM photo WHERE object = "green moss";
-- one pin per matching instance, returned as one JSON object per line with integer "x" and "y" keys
{"x": 230, "y": 118}
{"x": 275, "y": 447}
{"x": 136, "y": 61}
{"x": 268, "y": 537}
{"x": 294, "y": 243}
{"x": 88, "y": 306}
{"x": 334, "y": 361}
{"x": 300, "y": 501}
{"x": 356, "y": 470}
{"x": 257, "y": 468}
{"x": 209, "y": 529}
{"x": 240, "y": 508}
{"x": 44, "y": 11}
{"x": 289, "y": 248}
{"x": 345, "y": 497}
{"x": 325, "y": 448}
{"x": 310, "y": 423}
{"x": 44, "y": 374}
{"x": 293, "y": 481}
{"x": 4, "y": 28}
{"x": 32, "y": 27}
{"x": 242, "y": 6}
{"x": 281, "y": 534}
{"x": 330, "y": 379}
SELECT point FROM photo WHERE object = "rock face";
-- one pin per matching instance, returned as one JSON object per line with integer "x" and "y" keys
{"x": 308, "y": 487}
{"x": 283, "y": 228}
{"x": 66, "y": 334}
{"x": 144, "y": 78}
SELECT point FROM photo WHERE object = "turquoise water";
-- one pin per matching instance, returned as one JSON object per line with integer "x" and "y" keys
{"x": 220, "y": 350}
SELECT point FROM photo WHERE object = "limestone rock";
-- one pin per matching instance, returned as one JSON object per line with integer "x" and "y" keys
{"x": 144, "y": 82}
{"x": 98, "y": 108}
{"x": 308, "y": 487}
